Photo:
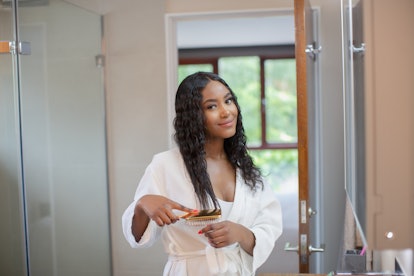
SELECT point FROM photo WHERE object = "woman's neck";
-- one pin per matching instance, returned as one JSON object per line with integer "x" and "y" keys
{"x": 215, "y": 150}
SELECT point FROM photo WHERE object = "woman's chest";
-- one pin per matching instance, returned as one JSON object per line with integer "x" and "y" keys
{"x": 223, "y": 179}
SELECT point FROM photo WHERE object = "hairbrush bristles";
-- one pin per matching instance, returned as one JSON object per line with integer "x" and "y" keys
{"x": 203, "y": 217}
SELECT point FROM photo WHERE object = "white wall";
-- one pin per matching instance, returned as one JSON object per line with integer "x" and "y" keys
{"x": 136, "y": 113}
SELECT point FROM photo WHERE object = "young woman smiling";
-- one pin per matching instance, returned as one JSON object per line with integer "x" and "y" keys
{"x": 210, "y": 169}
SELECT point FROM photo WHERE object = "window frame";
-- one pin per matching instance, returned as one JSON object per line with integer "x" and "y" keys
{"x": 270, "y": 52}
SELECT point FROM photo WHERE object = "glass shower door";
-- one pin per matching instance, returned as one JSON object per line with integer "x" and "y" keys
{"x": 12, "y": 238}
{"x": 56, "y": 121}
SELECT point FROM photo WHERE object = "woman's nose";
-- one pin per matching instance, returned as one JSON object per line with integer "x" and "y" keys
{"x": 225, "y": 112}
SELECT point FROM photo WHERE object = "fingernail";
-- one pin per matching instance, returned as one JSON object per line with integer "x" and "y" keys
{"x": 195, "y": 211}
{"x": 200, "y": 232}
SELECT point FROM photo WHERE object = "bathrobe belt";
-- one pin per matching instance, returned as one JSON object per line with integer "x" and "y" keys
{"x": 219, "y": 260}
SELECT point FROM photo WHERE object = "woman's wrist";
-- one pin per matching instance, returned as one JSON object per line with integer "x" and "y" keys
{"x": 247, "y": 240}
{"x": 140, "y": 222}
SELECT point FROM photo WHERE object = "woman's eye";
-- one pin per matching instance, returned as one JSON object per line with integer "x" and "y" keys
{"x": 229, "y": 101}
{"x": 211, "y": 106}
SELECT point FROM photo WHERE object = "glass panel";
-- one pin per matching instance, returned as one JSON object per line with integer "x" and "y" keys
{"x": 12, "y": 249}
{"x": 185, "y": 70}
{"x": 243, "y": 76}
{"x": 280, "y": 91}
{"x": 280, "y": 167}
{"x": 64, "y": 140}
{"x": 354, "y": 102}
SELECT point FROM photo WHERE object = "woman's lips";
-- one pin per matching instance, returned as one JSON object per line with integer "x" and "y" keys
{"x": 227, "y": 123}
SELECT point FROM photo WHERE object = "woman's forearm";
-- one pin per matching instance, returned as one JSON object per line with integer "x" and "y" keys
{"x": 247, "y": 240}
{"x": 140, "y": 222}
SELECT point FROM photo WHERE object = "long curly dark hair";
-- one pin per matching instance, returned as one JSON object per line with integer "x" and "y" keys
{"x": 190, "y": 136}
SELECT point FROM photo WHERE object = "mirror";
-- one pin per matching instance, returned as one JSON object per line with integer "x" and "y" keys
{"x": 378, "y": 127}
{"x": 354, "y": 111}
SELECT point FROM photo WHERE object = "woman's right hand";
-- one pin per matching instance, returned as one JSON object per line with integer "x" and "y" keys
{"x": 160, "y": 209}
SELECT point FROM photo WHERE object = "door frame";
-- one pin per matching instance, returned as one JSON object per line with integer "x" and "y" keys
{"x": 302, "y": 115}
{"x": 309, "y": 130}
{"x": 314, "y": 179}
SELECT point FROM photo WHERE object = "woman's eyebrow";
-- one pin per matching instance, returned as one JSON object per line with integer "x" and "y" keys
{"x": 209, "y": 101}
{"x": 213, "y": 100}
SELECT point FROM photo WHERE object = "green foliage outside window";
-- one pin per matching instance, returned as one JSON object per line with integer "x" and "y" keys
{"x": 186, "y": 70}
{"x": 280, "y": 91}
{"x": 280, "y": 167}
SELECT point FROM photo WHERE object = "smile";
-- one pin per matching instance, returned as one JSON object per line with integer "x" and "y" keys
{"x": 227, "y": 123}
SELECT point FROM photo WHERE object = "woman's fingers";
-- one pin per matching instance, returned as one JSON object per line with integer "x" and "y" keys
{"x": 220, "y": 234}
{"x": 188, "y": 211}
{"x": 160, "y": 209}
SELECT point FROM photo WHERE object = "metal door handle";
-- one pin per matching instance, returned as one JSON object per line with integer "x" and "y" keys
{"x": 291, "y": 248}
{"x": 315, "y": 249}
{"x": 9, "y": 47}
{"x": 311, "y": 249}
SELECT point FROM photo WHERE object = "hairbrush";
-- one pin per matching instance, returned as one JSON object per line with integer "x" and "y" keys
{"x": 203, "y": 217}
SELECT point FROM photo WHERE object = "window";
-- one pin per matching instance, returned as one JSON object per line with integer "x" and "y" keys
{"x": 264, "y": 81}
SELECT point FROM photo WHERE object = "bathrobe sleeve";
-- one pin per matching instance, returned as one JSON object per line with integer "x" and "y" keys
{"x": 266, "y": 226}
{"x": 149, "y": 184}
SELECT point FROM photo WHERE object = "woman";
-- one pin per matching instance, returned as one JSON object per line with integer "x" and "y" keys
{"x": 211, "y": 168}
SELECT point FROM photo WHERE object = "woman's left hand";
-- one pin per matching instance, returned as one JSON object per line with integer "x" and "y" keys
{"x": 224, "y": 233}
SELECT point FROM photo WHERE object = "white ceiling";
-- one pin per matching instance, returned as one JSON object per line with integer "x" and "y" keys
{"x": 248, "y": 31}
{"x": 97, "y": 6}
{"x": 218, "y": 32}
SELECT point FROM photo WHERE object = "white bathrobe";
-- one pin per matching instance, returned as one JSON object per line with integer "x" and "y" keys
{"x": 189, "y": 252}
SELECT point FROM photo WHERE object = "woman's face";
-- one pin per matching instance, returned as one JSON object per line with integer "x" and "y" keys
{"x": 220, "y": 111}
